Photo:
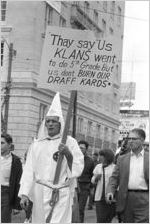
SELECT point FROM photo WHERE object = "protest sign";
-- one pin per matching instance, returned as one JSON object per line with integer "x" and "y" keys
{"x": 76, "y": 60}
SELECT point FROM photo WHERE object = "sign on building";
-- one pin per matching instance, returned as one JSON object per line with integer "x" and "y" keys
{"x": 75, "y": 60}
{"x": 134, "y": 119}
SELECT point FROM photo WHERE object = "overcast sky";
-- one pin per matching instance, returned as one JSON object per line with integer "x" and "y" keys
{"x": 136, "y": 50}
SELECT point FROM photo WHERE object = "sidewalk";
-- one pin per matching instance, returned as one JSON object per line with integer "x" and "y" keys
{"x": 90, "y": 217}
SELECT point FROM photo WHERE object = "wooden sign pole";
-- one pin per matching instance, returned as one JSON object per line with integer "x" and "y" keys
{"x": 55, "y": 192}
{"x": 74, "y": 116}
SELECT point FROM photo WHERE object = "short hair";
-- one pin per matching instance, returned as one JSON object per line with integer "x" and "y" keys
{"x": 108, "y": 155}
{"x": 84, "y": 142}
{"x": 7, "y": 138}
{"x": 95, "y": 153}
{"x": 119, "y": 143}
{"x": 140, "y": 132}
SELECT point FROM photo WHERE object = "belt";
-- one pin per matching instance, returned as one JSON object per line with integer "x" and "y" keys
{"x": 138, "y": 190}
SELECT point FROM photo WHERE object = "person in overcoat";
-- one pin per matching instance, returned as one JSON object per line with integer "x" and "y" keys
{"x": 11, "y": 171}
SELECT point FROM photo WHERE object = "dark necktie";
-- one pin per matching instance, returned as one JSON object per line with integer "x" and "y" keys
{"x": 103, "y": 190}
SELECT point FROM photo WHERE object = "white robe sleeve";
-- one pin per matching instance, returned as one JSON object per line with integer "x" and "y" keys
{"x": 78, "y": 158}
{"x": 26, "y": 181}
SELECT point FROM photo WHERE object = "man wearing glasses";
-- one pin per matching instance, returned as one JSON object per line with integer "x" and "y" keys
{"x": 131, "y": 175}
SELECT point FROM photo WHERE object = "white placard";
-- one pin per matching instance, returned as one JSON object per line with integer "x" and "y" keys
{"x": 76, "y": 60}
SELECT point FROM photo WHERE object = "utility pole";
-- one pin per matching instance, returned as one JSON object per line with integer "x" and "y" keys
{"x": 8, "y": 86}
{"x": 74, "y": 115}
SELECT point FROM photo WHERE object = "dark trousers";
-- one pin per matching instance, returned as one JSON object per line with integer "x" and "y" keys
{"x": 75, "y": 209}
{"x": 91, "y": 198}
{"x": 137, "y": 208}
{"x": 5, "y": 205}
{"x": 84, "y": 189}
{"x": 105, "y": 212}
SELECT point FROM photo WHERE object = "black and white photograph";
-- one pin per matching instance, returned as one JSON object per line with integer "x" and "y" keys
{"x": 74, "y": 111}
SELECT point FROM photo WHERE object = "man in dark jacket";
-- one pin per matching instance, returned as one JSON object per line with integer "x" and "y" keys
{"x": 11, "y": 171}
{"x": 84, "y": 181}
{"x": 131, "y": 175}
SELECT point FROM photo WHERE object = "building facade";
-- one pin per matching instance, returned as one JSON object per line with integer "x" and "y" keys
{"x": 24, "y": 24}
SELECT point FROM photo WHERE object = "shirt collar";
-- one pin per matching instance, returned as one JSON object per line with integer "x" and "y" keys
{"x": 139, "y": 154}
{"x": 51, "y": 138}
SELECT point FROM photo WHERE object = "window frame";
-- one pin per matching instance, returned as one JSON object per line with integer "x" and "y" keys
{"x": 62, "y": 21}
{"x": 3, "y": 10}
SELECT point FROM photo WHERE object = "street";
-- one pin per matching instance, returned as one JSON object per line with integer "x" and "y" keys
{"x": 90, "y": 217}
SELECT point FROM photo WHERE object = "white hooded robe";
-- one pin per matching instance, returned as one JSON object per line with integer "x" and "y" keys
{"x": 40, "y": 165}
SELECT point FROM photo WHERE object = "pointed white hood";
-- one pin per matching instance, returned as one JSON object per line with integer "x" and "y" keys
{"x": 54, "y": 110}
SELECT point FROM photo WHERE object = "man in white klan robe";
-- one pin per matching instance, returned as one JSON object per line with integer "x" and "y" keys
{"x": 39, "y": 170}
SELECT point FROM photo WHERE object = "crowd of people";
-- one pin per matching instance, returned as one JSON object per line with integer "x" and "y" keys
{"x": 117, "y": 185}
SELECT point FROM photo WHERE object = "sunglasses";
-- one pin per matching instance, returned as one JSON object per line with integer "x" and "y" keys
{"x": 132, "y": 139}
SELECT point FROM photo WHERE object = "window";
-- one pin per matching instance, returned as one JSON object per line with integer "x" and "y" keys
{"x": 105, "y": 133}
{"x": 111, "y": 31}
{"x": 112, "y": 9}
{"x": 119, "y": 16}
{"x": 80, "y": 125}
{"x": 3, "y": 10}
{"x": 62, "y": 22}
{"x": 98, "y": 131}
{"x": 48, "y": 15}
{"x": 75, "y": 3}
{"x": 95, "y": 16}
{"x": 105, "y": 6}
{"x": 89, "y": 128}
{"x": 113, "y": 136}
{"x": 2, "y": 53}
{"x": 42, "y": 111}
{"x": 104, "y": 26}
{"x": 87, "y": 7}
